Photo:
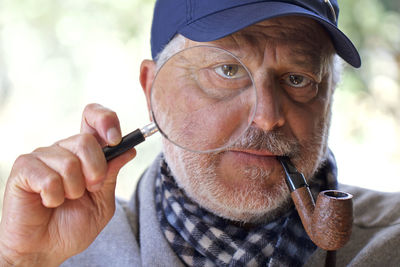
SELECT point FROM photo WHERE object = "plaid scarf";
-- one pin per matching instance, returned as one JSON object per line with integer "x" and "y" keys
{"x": 201, "y": 238}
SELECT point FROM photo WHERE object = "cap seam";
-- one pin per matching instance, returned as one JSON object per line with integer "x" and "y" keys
{"x": 252, "y": 3}
{"x": 221, "y": 10}
{"x": 188, "y": 11}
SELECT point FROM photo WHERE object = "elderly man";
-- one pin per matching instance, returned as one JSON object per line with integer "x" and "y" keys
{"x": 228, "y": 208}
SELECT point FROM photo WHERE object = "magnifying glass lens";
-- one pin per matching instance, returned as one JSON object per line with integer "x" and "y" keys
{"x": 203, "y": 99}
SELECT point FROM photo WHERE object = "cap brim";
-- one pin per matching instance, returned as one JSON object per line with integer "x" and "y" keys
{"x": 228, "y": 21}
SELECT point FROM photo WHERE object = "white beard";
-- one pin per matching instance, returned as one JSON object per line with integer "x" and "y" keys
{"x": 255, "y": 200}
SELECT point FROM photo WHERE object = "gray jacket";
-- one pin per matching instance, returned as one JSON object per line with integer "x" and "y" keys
{"x": 133, "y": 236}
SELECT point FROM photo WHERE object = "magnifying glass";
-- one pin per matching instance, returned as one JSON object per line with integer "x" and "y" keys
{"x": 203, "y": 99}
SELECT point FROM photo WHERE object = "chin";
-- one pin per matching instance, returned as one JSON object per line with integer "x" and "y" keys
{"x": 260, "y": 196}
{"x": 245, "y": 204}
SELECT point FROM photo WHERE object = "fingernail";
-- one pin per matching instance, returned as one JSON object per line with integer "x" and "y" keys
{"x": 113, "y": 136}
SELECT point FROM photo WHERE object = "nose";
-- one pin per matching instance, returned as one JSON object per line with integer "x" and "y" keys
{"x": 269, "y": 115}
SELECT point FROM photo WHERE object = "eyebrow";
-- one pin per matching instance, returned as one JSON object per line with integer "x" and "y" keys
{"x": 307, "y": 55}
{"x": 307, "y": 58}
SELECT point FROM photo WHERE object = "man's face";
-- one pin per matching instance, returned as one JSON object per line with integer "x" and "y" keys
{"x": 290, "y": 60}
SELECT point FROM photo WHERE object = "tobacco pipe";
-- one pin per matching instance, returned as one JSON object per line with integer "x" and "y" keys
{"x": 328, "y": 223}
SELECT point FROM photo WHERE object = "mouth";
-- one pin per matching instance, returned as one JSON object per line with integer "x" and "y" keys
{"x": 256, "y": 153}
{"x": 260, "y": 158}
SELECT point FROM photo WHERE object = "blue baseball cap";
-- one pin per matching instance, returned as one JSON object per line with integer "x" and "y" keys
{"x": 209, "y": 20}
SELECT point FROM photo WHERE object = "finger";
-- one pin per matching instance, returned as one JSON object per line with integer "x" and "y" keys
{"x": 67, "y": 165}
{"x": 91, "y": 157}
{"x": 33, "y": 176}
{"x": 107, "y": 192}
{"x": 101, "y": 122}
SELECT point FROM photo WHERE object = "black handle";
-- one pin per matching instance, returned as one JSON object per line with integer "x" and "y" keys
{"x": 294, "y": 178}
{"x": 128, "y": 142}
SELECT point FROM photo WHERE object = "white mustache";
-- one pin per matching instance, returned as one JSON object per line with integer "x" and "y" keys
{"x": 273, "y": 141}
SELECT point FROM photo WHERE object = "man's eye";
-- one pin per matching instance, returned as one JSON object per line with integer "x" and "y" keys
{"x": 299, "y": 87}
{"x": 296, "y": 80}
{"x": 231, "y": 71}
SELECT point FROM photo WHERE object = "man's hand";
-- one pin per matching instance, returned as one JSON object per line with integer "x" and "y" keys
{"x": 59, "y": 198}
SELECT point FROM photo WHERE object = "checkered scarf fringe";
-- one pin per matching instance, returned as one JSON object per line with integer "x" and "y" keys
{"x": 201, "y": 238}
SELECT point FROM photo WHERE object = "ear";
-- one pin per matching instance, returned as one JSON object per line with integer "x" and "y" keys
{"x": 147, "y": 74}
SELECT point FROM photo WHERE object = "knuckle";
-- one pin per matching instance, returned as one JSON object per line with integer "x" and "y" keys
{"x": 39, "y": 150}
{"x": 108, "y": 115}
{"x": 97, "y": 174}
{"x": 71, "y": 164}
{"x": 51, "y": 183}
{"x": 85, "y": 140}
{"x": 101, "y": 111}
{"x": 90, "y": 107}
{"x": 22, "y": 161}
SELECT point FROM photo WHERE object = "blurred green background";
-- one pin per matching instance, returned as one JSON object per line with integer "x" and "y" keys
{"x": 56, "y": 56}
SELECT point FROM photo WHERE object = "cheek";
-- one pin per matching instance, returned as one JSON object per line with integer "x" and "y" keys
{"x": 202, "y": 124}
{"x": 305, "y": 120}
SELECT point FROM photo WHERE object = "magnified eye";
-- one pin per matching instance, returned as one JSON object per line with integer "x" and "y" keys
{"x": 230, "y": 71}
{"x": 223, "y": 80}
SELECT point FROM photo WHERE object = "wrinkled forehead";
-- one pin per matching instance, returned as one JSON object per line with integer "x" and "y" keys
{"x": 303, "y": 37}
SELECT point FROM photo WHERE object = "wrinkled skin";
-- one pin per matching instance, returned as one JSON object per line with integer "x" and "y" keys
{"x": 245, "y": 183}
